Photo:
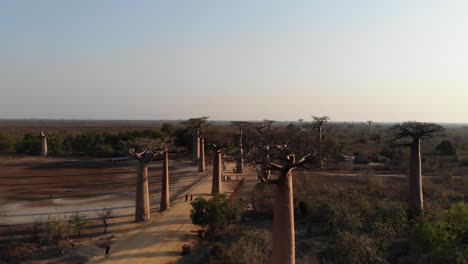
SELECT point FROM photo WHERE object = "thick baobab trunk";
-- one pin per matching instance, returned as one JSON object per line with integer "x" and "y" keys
{"x": 217, "y": 171}
{"x": 142, "y": 208}
{"x": 319, "y": 134}
{"x": 196, "y": 149}
{"x": 201, "y": 162}
{"x": 43, "y": 144}
{"x": 415, "y": 180}
{"x": 240, "y": 155}
{"x": 165, "y": 203}
{"x": 283, "y": 222}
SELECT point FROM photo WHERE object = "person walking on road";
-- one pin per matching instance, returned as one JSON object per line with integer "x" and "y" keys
{"x": 107, "y": 251}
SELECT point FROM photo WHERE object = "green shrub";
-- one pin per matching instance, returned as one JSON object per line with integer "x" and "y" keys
{"x": 7, "y": 142}
{"x": 215, "y": 213}
{"x": 78, "y": 223}
{"x": 443, "y": 235}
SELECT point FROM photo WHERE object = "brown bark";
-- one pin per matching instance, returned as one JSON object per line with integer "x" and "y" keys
{"x": 319, "y": 134}
{"x": 142, "y": 208}
{"x": 196, "y": 149}
{"x": 415, "y": 180}
{"x": 217, "y": 171}
{"x": 201, "y": 162}
{"x": 165, "y": 203}
{"x": 240, "y": 155}
{"x": 283, "y": 222}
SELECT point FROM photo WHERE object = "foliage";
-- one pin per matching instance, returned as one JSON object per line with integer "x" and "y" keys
{"x": 78, "y": 223}
{"x": 56, "y": 229}
{"x": 443, "y": 236}
{"x": 215, "y": 213}
{"x": 445, "y": 148}
{"x": 7, "y": 142}
{"x": 30, "y": 144}
{"x": 250, "y": 247}
{"x": 352, "y": 248}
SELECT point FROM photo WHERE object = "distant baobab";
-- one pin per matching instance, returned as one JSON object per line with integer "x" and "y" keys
{"x": 240, "y": 151}
{"x": 301, "y": 121}
{"x": 318, "y": 123}
{"x": 416, "y": 132}
{"x": 43, "y": 138}
{"x": 165, "y": 202}
{"x": 196, "y": 125}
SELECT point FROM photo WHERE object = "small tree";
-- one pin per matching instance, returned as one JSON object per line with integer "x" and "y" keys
{"x": 78, "y": 223}
{"x": 215, "y": 213}
{"x": 104, "y": 216}
{"x": 445, "y": 148}
{"x": 57, "y": 229}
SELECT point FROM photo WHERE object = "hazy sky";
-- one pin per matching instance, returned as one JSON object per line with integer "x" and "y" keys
{"x": 376, "y": 60}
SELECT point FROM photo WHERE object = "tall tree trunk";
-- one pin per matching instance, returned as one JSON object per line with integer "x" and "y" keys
{"x": 319, "y": 134}
{"x": 44, "y": 146}
{"x": 283, "y": 222}
{"x": 165, "y": 203}
{"x": 142, "y": 208}
{"x": 217, "y": 171}
{"x": 196, "y": 149}
{"x": 240, "y": 155}
{"x": 201, "y": 162}
{"x": 415, "y": 180}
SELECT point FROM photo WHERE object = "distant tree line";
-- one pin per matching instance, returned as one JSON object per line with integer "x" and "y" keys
{"x": 90, "y": 142}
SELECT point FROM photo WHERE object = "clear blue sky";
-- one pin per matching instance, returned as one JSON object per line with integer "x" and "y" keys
{"x": 362, "y": 60}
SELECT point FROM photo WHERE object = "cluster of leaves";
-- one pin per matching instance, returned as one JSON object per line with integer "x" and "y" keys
{"x": 215, "y": 213}
{"x": 442, "y": 237}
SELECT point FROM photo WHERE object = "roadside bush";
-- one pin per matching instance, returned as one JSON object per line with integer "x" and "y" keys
{"x": 215, "y": 213}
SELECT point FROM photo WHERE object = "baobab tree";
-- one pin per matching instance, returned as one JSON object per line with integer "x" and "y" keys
{"x": 142, "y": 205}
{"x": 240, "y": 151}
{"x": 415, "y": 131}
{"x": 301, "y": 121}
{"x": 284, "y": 154}
{"x": 319, "y": 122}
{"x": 377, "y": 138}
{"x": 165, "y": 203}
{"x": 43, "y": 138}
{"x": 217, "y": 187}
{"x": 196, "y": 125}
{"x": 202, "y": 159}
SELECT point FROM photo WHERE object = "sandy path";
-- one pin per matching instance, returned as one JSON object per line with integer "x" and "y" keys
{"x": 162, "y": 240}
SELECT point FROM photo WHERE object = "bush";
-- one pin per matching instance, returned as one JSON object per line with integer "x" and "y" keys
{"x": 30, "y": 144}
{"x": 361, "y": 159}
{"x": 7, "y": 142}
{"x": 443, "y": 236}
{"x": 215, "y": 213}
{"x": 250, "y": 248}
{"x": 78, "y": 223}
{"x": 445, "y": 148}
{"x": 218, "y": 250}
{"x": 350, "y": 248}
